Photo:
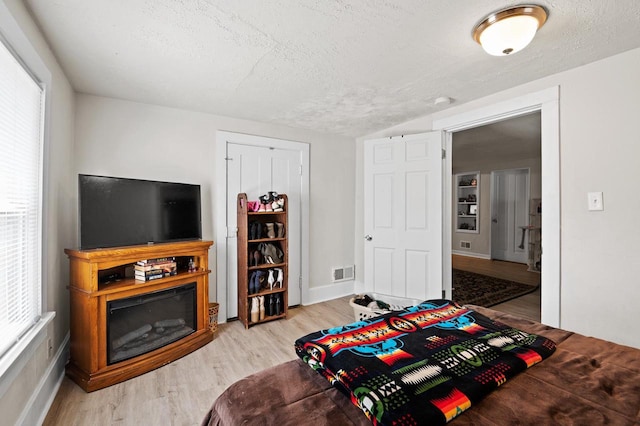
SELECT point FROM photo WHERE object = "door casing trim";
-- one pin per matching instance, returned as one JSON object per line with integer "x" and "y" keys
{"x": 547, "y": 102}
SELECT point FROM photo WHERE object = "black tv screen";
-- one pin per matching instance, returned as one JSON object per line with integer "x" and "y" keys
{"x": 122, "y": 212}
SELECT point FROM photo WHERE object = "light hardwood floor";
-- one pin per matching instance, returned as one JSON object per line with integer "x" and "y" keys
{"x": 180, "y": 393}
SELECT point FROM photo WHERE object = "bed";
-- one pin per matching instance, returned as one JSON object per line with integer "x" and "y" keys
{"x": 583, "y": 380}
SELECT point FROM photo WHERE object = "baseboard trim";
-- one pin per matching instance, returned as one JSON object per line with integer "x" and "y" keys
{"x": 42, "y": 398}
{"x": 471, "y": 254}
{"x": 330, "y": 292}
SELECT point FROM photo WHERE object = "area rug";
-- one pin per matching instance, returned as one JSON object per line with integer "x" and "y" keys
{"x": 482, "y": 290}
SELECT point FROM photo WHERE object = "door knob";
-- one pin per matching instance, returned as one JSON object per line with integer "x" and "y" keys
{"x": 494, "y": 220}
{"x": 368, "y": 237}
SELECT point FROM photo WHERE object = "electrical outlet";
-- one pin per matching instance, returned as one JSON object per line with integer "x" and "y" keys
{"x": 49, "y": 348}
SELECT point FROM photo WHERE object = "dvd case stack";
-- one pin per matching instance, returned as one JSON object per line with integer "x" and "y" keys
{"x": 153, "y": 269}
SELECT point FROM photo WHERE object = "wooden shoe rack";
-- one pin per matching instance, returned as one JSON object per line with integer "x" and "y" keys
{"x": 246, "y": 247}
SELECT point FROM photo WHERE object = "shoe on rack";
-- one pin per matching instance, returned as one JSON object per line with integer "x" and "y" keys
{"x": 280, "y": 277}
{"x": 265, "y": 203}
{"x": 261, "y": 280}
{"x": 255, "y": 310}
{"x": 278, "y": 204}
{"x": 279, "y": 230}
{"x": 261, "y": 307}
{"x": 278, "y": 304}
{"x": 269, "y": 305}
{"x": 250, "y": 283}
{"x": 254, "y": 286}
{"x": 271, "y": 279}
{"x": 252, "y": 206}
{"x": 252, "y": 231}
{"x": 256, "y": 280}
{"x": 271, "y": 230}
{"x": 271, "y": 253}
{"x": 256, "y": 257}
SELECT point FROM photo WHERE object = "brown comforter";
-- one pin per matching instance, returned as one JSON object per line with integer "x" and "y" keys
{"x": 587, "y": 381}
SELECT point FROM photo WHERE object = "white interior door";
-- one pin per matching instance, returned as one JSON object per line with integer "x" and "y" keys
{"x": 256, "y": 170}
{"x": 509, "y": 214}
{"x": 403, "y": 216}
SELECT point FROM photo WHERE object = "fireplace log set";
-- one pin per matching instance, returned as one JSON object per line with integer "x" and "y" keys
{"x": 148, "y": 337}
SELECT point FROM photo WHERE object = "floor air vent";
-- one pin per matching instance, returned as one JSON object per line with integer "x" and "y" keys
{"x": 343, "y": 274}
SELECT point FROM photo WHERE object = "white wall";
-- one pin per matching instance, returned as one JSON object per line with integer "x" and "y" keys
{"x": 599, "y": 151}
{"x": 27, "y": 396}
{"x": 128, "y": 139}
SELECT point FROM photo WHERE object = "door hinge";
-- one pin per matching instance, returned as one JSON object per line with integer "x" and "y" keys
{"x": 444, "y": 153}
{"x": 300, "y": 282}
{"x": 444, "y": 294}
{"x": 300, "y": 169}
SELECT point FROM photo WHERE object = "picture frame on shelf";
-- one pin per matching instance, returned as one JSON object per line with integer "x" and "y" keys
{"x": 473, "y": 209}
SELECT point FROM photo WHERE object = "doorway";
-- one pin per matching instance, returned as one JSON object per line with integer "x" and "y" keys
{"x": 547, "y": 102}
{"x": 255, "y": 165}
{"x": 507, "y": 154}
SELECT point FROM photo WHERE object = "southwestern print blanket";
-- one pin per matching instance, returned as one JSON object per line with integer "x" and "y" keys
{"x": 423, "y": 365}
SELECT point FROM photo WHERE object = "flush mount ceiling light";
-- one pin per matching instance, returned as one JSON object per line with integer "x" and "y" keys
{"x": 510, "y": 30}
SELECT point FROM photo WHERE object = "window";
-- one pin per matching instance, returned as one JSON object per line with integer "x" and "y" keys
{"x": 21, "y": 141}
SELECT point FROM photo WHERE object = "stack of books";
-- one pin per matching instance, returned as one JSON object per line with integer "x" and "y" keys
{"x": 153, "y": 269}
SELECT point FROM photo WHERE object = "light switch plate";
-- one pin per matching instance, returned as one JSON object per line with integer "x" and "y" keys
{"x": 595, "y": 201}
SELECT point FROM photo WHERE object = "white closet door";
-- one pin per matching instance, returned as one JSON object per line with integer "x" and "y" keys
{"x": 509, "y": 213}
{"x": 257, "y": 170}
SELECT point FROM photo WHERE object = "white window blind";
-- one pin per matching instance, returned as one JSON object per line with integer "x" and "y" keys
{"x": 21, "y": 134}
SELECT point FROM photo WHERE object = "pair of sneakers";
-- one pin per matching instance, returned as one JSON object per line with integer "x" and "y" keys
{"x": 271, "y": 202}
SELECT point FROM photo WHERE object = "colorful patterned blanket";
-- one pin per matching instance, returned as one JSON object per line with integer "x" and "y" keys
{"x": 423, "y": 365}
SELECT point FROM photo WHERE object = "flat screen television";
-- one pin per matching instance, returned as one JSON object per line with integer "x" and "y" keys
{"x": 122, "y": 212}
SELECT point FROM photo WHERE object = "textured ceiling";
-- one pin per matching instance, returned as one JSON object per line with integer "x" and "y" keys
{"x": 339, "y": 66}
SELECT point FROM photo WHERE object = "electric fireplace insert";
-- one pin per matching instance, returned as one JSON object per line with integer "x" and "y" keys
{"x": 143, "y": 323}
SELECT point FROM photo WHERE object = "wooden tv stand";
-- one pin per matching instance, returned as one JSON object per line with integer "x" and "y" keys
{"x": 88, "y": 299}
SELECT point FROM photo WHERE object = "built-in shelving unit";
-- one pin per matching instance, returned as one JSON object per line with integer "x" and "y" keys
{"x": 467, "y": 202}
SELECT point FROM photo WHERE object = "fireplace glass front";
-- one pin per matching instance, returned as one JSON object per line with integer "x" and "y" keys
{"x": 143, "y": 323}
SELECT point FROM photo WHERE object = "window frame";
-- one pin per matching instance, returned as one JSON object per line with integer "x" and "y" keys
{"x": 13, "y": 37}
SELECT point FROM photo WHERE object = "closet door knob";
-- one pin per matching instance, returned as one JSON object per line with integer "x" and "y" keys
{"x": 368, "y": 237}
